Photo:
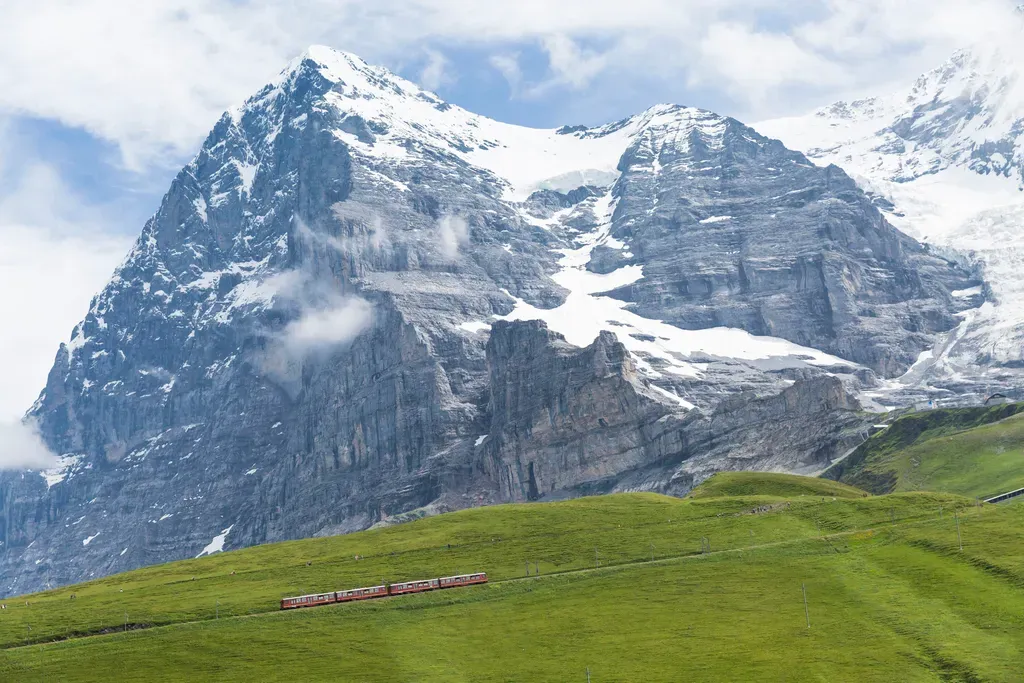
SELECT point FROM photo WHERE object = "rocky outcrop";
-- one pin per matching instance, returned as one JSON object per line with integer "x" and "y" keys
{"x": 562, "y": 416}
{"x": 568, "y": 420}
{"x": 735, "y": 230}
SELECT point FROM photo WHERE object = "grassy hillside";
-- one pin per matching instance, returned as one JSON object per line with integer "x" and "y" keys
{"x": 888, "y": 590}
{"x": 560, "y": 537}
{"x": 772, "y": 484}
{"x": 975, "y": 452}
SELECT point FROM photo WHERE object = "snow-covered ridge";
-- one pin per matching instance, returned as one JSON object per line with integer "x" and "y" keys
{"x": 967, "y": 113}
{"x": 946, "y": 159}
{"x": 393, "y": 113}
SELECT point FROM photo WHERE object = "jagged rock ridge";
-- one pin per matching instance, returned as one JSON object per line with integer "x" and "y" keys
{"x": 944, "y": 160}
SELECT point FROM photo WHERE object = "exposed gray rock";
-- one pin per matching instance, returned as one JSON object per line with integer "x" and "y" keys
{"x": 943, "y": 158}
{"x": 562, "y": 416}
{"x": 565, "y": 419}
{"x": 735, "y": 230}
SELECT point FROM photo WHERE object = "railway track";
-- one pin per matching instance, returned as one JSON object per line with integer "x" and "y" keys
{"x": 1005, "y": 496}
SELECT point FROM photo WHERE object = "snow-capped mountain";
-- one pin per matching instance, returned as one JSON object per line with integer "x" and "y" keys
{"x": 359, "y": 301}
{"x": 944, "y": 160}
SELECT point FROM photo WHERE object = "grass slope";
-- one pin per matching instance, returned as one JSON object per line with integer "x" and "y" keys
{"x": 772, "y": 484}
{"x": 888, "y": 592}
{"x": 974, "y": 452}
{"x": 560, "y": 537}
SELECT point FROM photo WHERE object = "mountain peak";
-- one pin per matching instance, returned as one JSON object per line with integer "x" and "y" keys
{"x": 328, "y": 56}
{"x": 339, "y": 66}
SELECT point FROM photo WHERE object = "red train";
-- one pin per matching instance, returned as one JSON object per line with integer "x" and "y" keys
{"x": 383, "y": 591}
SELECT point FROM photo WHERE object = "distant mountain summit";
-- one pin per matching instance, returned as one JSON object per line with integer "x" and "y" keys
{"x": 968, "y": 113}
{"x": 944, "y": 160}
{"x": 359, "y": 303}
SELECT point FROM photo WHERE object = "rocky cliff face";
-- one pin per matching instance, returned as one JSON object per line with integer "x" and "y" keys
{"x": 566, "y": 421}
{"x": 944, "y": 160}
{"x": 734, "y": 230}
{"x": 562, "y": 416}
{"x": 359, "y": 301}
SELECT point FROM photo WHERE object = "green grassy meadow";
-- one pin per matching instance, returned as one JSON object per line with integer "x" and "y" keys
{"x": 974, "y": 452}
{"x": 726, "y": 484}
{"x": 889, "y": 594}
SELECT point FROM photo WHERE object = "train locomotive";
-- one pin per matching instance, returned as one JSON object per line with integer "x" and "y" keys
{"x": 384, "y": 590}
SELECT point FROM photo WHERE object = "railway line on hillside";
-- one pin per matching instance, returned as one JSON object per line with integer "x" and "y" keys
{"x": 619, "y": 566}
{"x": 1004, "y": 496}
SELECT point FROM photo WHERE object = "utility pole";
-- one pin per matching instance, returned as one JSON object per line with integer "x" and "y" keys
{"x": 588, "y": 674}
{"x": 959, "y": 539}
{"x": 597, "y": 561}
{"x": 807, "y": 613}
{"x": 652, "y": 552}
{"x": 218, "y": 610}
{"x": 126, "y": 622}
{"x": 527, "y": 567}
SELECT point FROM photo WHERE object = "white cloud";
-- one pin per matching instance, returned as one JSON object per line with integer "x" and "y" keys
{"x": 53, "y": 259}
{"x": 570, "y": 64}
{"x": 150, "y": 76}
{"x": 508, "y": 66}
{"x": 22, "y": 448}
{"x": 751, "y": 64}
{"x": 452, "y": 233}
{"x": 436, "y": 72}
{"x": 320, "y": 330}
{"x": 326, "y": 320}
{"x": 46, "y": 280}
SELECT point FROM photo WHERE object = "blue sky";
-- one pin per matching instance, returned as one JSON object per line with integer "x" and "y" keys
{"x": 102, "y": 101}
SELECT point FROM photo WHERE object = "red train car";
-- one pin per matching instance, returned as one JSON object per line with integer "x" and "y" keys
{"x": 308, "y": 600}
{"x": 462, "y": 580}
{"x": 362, "y": 593}
{"x": 384, "y": 590}
{"x": 414, "y": 586}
